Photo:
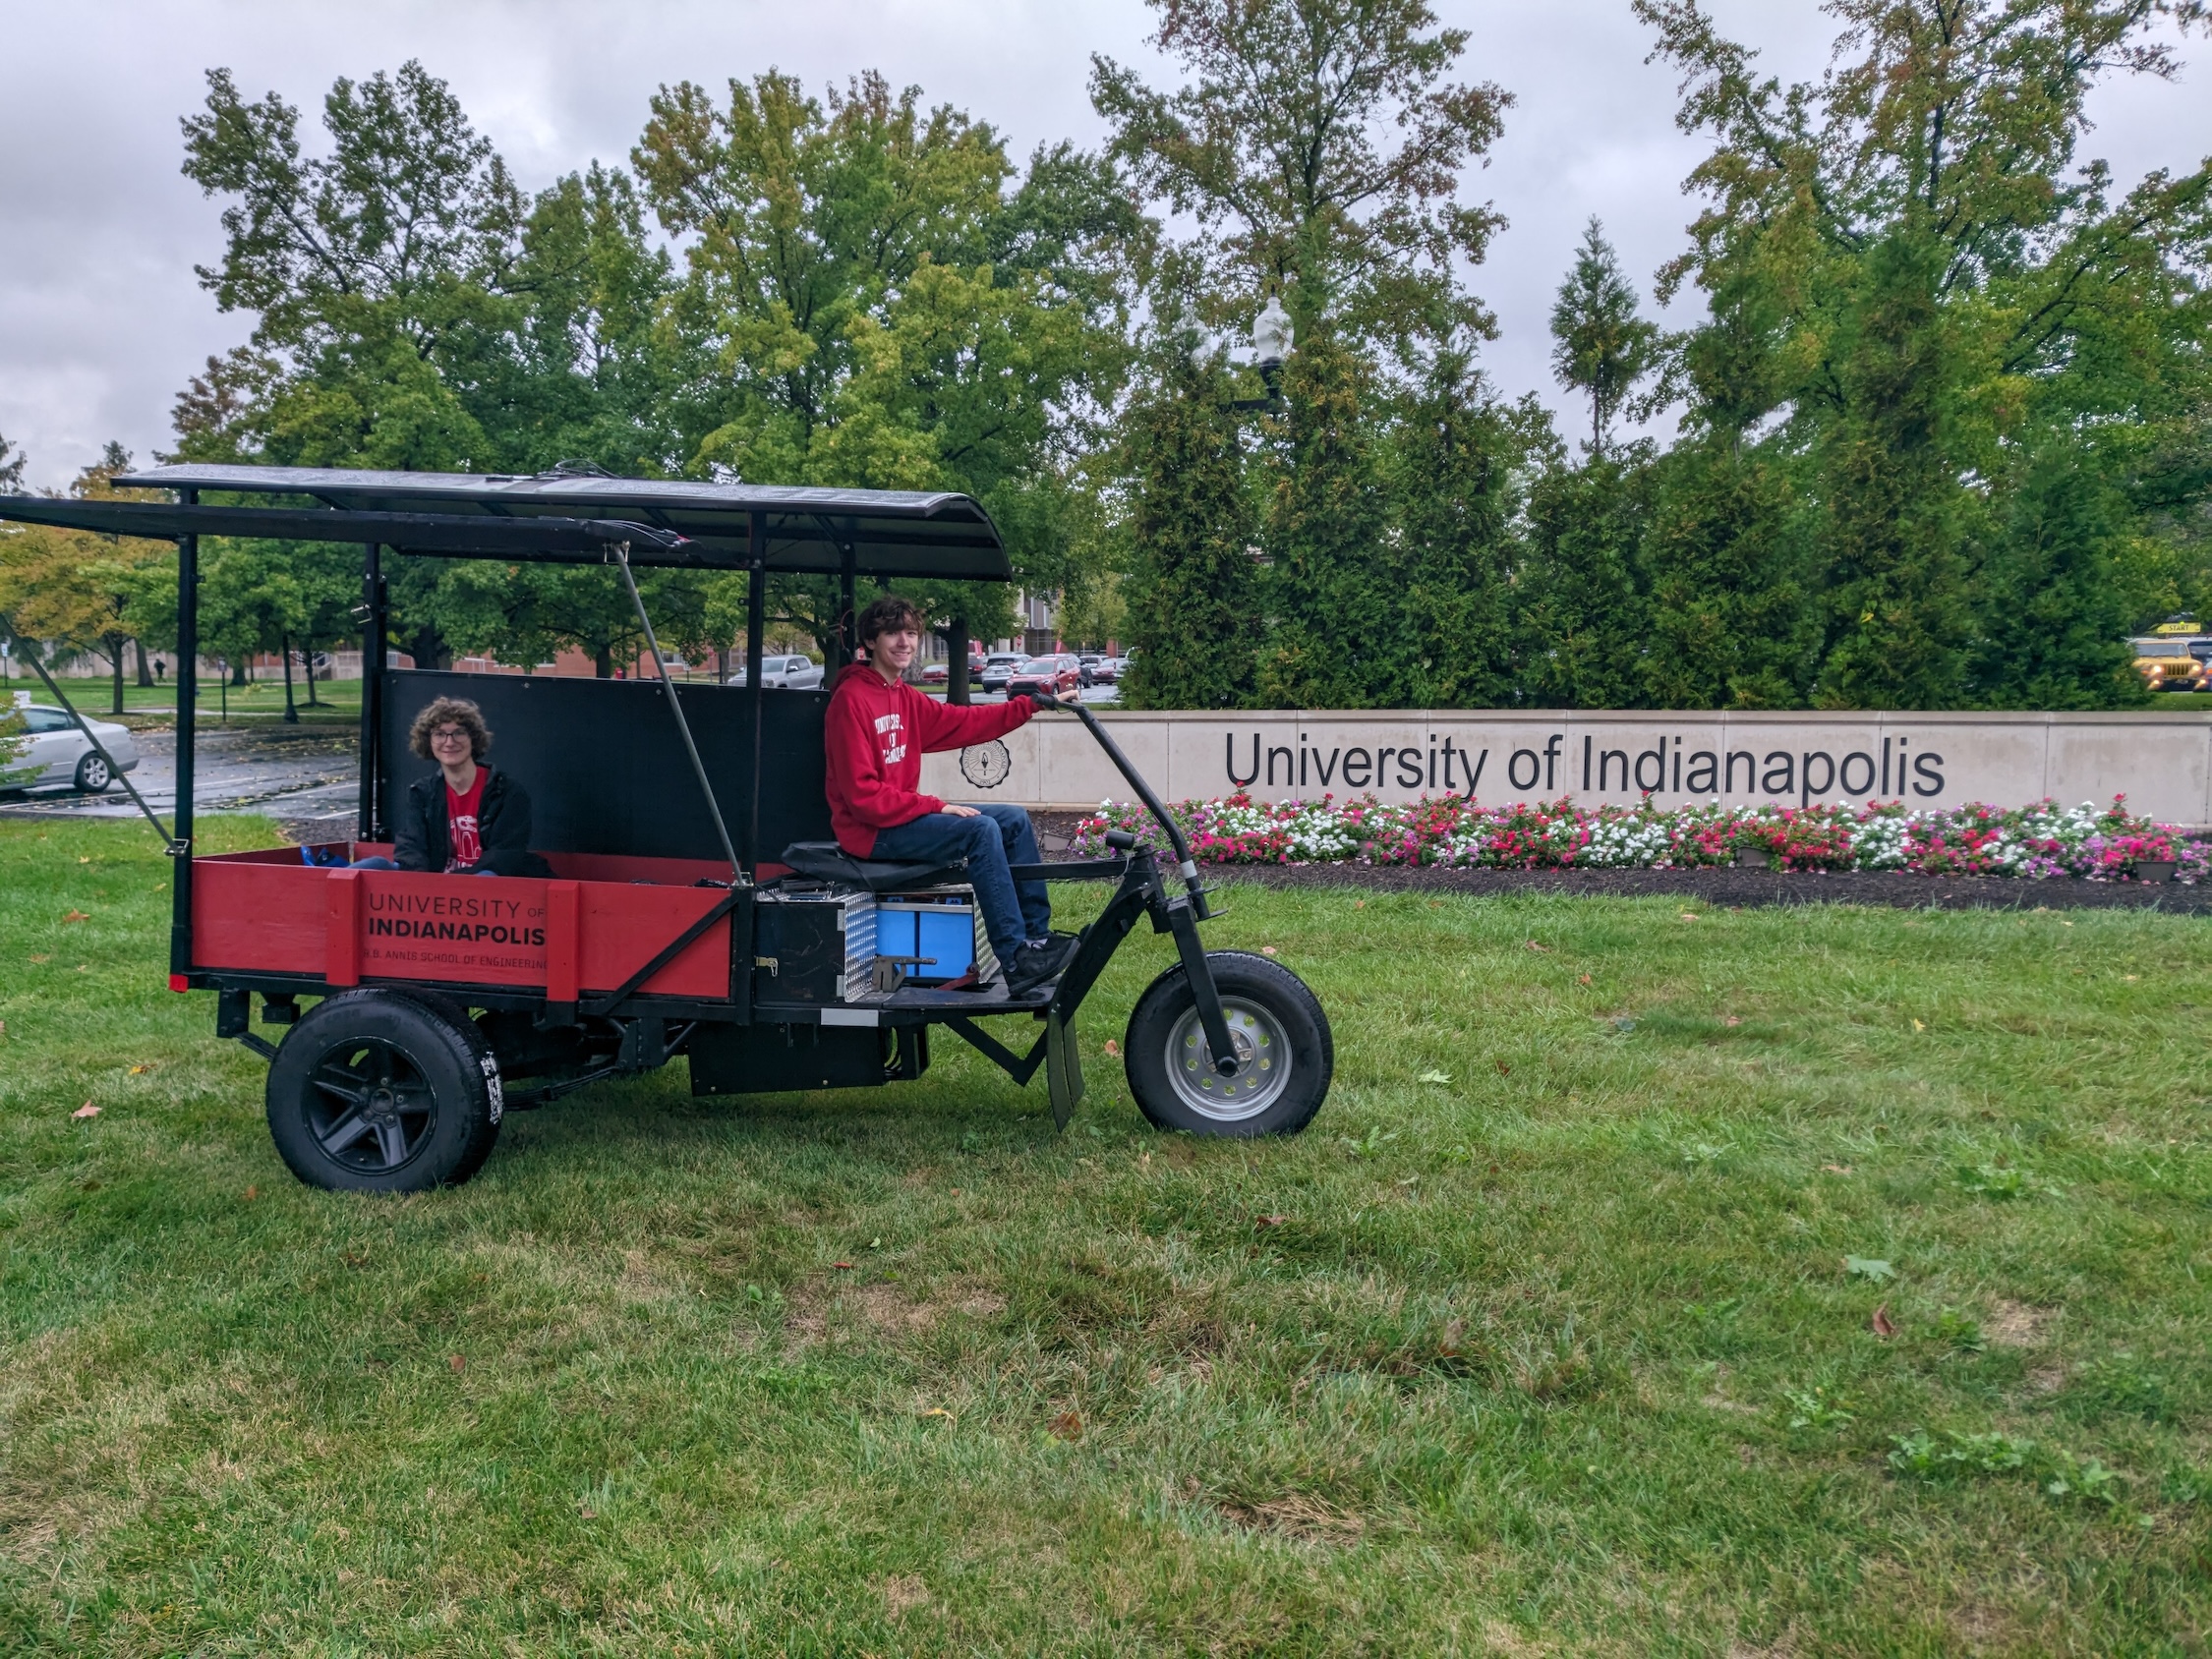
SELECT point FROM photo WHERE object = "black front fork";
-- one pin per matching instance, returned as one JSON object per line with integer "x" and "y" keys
{"x": 1144, "y": 891}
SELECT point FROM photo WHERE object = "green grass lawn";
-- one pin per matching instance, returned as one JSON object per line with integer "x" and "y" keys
{"x": 1540, "y": 1341}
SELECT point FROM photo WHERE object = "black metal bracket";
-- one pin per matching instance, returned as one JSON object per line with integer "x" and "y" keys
{"x": 606, "y": 1004}
{"x": 1019, "y": 1068}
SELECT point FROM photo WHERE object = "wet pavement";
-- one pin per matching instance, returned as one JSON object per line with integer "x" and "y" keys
{"x": 306, "y": 774}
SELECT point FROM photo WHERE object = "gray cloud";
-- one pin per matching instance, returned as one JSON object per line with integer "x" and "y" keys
{"x": 101, "y": 320}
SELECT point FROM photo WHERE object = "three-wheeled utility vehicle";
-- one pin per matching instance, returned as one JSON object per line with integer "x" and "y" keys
{"x": 699, "y": 904}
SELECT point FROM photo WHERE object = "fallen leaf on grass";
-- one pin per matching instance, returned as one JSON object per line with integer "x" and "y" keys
{"x": 1067, "y": 1426}
{"x": 1883, "y": 1327}
{"x": 1270, "y": 1220}
{"x": 1435, "y": 1077}
{"x": 41, "y": 959}
{"x": 842, "y": 1267}
{"x": 1112, "y": 1046}
{"x": 1585, "y": 980}
{"x": 1917, "y": 1026}
{"x": 76, "y": 916}
{"x": 457, "y": 1363}
{"x": 1734, "y": 1021}
{"x": 1359, "y": 904}
{"x": 1836, "y": 1168}
{"x": 1267, "y": 950}
{"x": 136, "y": 1070}
{"x": 586, "y": 1512}
{"x": 251, "y": 1194}
{"x": 940, "y": 1412}
{"x": 1869, "y": 1267}
{"x": 1504, "y": 1070}
{"x": 87, "y": 1109}
{"x": 1534, "y": 946}
{"x": 1689, "y": 915}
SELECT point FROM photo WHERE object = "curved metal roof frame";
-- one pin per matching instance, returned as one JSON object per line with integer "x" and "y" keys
{"x": 889, "y": 533}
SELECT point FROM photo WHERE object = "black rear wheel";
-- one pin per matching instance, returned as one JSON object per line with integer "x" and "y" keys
{"x": 92, "y": 773}
{"x": 382, "y": 1091}
{"x": 1285, "y": 1054}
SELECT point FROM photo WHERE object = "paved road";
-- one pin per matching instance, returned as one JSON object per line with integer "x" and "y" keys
{"x": 295, "y": 772}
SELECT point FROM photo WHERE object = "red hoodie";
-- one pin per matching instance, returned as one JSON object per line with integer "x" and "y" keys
{"x": 875, "y": 737}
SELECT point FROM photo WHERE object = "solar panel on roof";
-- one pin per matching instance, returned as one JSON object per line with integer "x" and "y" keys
{"x": 890, "y": 532}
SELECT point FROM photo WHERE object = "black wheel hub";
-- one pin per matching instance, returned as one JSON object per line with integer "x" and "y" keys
{"x": 373, "y": 1108}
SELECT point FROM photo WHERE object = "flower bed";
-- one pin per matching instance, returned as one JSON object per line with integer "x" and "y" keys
{"x": 2042, "y": 840}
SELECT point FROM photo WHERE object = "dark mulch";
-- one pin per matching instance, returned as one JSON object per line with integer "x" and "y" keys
{"x": 1749, "y": 886}
{"x": 1898, "y": 890}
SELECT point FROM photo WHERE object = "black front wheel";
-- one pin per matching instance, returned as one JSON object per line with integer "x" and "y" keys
{"x": 1285, "y": 1054}
{"x": 93, "y": 774}
{"x": 381, "y": 1091}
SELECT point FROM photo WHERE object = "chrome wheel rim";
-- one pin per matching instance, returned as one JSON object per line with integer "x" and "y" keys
{"x": 1263, "y": 1064}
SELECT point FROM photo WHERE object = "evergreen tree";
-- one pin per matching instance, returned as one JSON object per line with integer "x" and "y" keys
{"x": 1898, "y": 611}
{"x": 1193, "y": 599}
{"x": 1580, "y": 617}
{"x": 1600, "y": 347}
{"x": 1453, "y": 465}
{"x": 1337, "y": 578}
{"x": 2054, "y": 621}
{"x": 1730, "y": 623}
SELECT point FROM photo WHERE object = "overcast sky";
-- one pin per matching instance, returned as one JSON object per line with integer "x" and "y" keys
{"x": 101, "y": 319}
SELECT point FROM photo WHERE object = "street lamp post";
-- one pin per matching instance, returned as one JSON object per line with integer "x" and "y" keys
{"x": 1270, "y": 345}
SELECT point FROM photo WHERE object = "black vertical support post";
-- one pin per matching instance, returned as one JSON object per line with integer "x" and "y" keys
{"x": 372, "y": 689}
{"x": 849, "y": 600}
{"x": 188, "y": 692}
{"x": 756, "y": 607}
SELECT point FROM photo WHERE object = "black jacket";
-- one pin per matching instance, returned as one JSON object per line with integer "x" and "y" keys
{"x": 424, "y": 840}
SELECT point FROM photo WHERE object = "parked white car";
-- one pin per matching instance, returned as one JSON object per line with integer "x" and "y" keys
{"x": 57, "y": 752}
{"x": 784, "y": 673}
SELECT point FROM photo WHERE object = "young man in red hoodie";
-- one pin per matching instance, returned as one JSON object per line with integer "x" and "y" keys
{"x": 878, "y": 729}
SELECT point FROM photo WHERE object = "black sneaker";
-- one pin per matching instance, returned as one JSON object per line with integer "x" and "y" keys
{"x": 1039, "y": 964}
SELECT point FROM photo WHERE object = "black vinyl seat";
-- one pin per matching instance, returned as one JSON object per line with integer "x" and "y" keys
{"x": 826, "y": 861}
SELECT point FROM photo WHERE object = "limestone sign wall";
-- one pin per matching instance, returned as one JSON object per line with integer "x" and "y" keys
{"x": 2161, "y": 760}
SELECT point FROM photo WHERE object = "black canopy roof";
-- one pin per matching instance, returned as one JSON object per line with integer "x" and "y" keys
{"x": 890, "y": 533}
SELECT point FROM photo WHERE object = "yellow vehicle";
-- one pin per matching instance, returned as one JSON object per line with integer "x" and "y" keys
{"x": 2174, "y": 655}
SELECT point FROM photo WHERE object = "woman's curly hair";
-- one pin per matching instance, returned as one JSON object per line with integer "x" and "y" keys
{"x": 463, "y": 714}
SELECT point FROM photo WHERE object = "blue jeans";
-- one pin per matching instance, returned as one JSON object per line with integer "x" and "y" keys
{"x": 999, "y": 837}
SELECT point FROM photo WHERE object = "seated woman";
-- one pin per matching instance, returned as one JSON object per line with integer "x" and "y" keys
{"x": 468, "y": 819}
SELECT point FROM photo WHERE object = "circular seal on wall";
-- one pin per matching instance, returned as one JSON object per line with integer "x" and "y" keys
{"x": 986, "y": 765}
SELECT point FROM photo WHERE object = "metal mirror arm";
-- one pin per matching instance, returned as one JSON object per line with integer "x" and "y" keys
{"x": 169, "y": 842}
{"x": 1185, "y": 865}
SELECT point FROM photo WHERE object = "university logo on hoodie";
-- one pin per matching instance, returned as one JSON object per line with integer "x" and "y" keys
{"x": 892, "y": 730}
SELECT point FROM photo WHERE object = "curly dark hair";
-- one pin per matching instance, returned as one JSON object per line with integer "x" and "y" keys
{"x": 463, "y": 714}
{"x": 889, "y": 614}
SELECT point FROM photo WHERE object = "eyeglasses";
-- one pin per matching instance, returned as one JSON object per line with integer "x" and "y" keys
{"x": 450, "y": 734}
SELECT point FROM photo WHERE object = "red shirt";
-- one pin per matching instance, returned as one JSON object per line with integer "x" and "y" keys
{"x": 875, "y": 736}
{"x": 460, "y": 823}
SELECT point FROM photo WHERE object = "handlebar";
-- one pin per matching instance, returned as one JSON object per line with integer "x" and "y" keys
{"x": 1185, "y": 865}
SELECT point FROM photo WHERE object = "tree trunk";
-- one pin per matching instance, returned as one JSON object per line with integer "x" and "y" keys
{"x": 291, "y": 709}
{"x": 115, "y": 659}
{"x": 427, "y": 645}
{"x": 602, "y": 662}
{"x": 955, "y": 673}
{"x": 145, "y": 674}
{"x": 307, "y": 660}
{"x": 237, "y": 672}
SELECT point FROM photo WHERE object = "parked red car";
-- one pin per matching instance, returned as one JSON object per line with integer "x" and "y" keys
{"x": 1051, "y": 675}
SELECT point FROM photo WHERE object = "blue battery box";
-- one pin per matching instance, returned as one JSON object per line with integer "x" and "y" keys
{"x": 936, "y": 926}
